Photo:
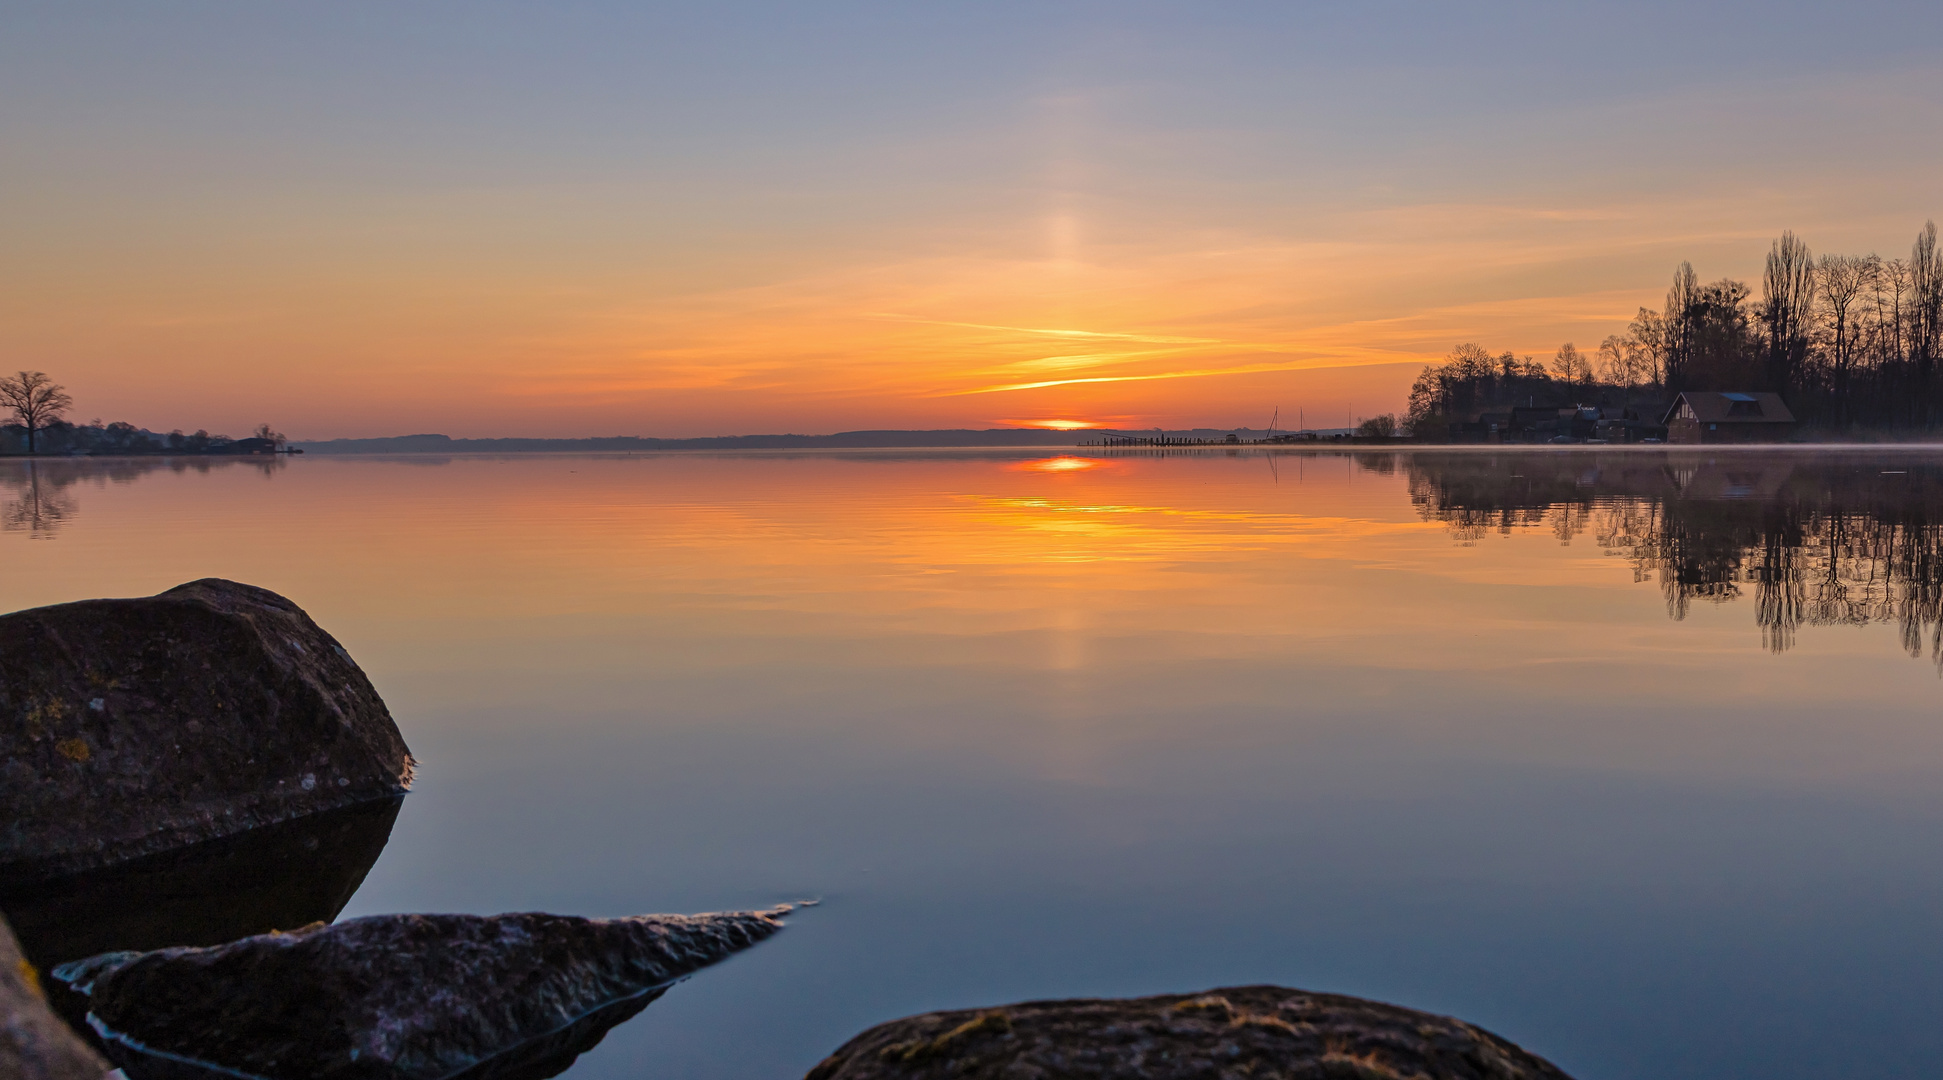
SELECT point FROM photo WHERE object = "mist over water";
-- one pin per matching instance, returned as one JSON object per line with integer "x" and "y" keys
{"x": 1631, "y": 757}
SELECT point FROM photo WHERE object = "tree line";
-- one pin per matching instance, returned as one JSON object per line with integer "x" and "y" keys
{"x": 1851, "y": 342}
{"x": 39, "y": 406}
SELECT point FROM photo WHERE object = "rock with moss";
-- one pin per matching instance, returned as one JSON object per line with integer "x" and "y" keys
{"x": 34, "y": 1044}
{"x": 1258, "y": 1032}
{"x": 132, "y": 727}
{"x": 398, "y": 997}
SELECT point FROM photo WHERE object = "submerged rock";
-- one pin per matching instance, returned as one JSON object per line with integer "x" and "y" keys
{"x": 34, "y": 1044}
{"x": 398, "y": 997}
{"x": 131, "y": 727}
{"x": 279, "y": 877}
{"x": 1259, "y": 1032}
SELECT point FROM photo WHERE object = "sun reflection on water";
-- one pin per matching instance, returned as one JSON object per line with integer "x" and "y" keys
{"x": 1063, "y": 463}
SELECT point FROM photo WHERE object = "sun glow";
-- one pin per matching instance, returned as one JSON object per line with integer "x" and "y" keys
{"x": 1057, "y": 425}
{"x": 1061, "y": 464}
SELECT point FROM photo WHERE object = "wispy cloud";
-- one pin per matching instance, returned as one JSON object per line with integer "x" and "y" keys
{"x": 1245, "y": 369}
{"x": 1157, "y": 339}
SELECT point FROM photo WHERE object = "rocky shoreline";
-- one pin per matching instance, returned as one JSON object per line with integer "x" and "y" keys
{"x": 194, "y": 785}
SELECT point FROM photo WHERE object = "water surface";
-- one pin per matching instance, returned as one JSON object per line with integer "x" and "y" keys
{"x": 1631, "y": 757}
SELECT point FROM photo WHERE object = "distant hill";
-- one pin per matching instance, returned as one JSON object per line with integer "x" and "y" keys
{"x": 852, "y": 440}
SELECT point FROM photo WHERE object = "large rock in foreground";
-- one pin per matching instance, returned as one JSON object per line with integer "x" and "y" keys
{"x": 1258, "y": 1032}
{"x": 398, "y": 997}
{"x": 34, "y": 1044}
{"x": 130, "y": 727}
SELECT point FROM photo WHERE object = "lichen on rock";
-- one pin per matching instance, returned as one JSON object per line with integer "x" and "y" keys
{"x": 132, "y": 727}
{"x": 1258, "y": 1032}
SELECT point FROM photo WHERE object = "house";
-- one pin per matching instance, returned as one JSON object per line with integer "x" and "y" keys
{"x": 1533, "y": 423}
{"x": 1551, "y": 423}
{"x": 1624, "y": 425}
{"x": 1706, "y": 416}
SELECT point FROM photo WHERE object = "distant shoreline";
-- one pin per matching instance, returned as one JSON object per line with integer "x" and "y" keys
{"x": 887, "y": 439}
{"x": 444, "y": 444}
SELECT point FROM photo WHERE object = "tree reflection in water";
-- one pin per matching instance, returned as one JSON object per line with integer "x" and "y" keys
{"x": 1820, "y": 539}
{"x": 38, "y": 507}
{"x": 40, "y": 497}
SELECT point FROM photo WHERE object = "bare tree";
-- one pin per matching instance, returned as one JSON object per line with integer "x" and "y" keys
{"x": 1682, "y": 302}
{"x": 274, "y": 437}
{"x": 1787, "y": 308}
{"x": 1649, "y": 329}
{"x": 1625, "y": 363}
{"x": 1891, "y": 285}
{"x": 1926, "y": 312}
{"x": 1841, "y": 280}
{"x": 35, "y": 400}
{"x": 1571, "y": 366}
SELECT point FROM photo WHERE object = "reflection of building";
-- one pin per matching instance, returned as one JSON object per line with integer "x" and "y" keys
{"x": 1705, "y": 416}
{"x": 1812, "y": 539}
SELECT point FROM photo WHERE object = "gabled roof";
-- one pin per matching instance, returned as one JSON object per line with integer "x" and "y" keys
{"x": 1733, "y": 407}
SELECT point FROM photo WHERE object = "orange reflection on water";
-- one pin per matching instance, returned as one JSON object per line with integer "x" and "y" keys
{"x": 1063, "y": 463}
{"x": 687, "y": 588}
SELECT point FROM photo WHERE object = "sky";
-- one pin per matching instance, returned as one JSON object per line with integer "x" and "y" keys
{"x": 572, "y": 219}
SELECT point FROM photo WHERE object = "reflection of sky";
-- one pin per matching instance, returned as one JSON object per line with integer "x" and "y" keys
{"x": 1161, "y": 725}
{"x": 755, "y": 216}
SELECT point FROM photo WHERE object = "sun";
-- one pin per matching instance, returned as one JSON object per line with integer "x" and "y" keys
{"x": 1057, "y": 425}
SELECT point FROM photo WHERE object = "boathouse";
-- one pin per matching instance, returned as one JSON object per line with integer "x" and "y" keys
{"x": 1708, "y": 416}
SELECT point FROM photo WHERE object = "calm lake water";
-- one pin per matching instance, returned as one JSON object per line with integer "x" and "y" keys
{"x": 1632, "y": 757}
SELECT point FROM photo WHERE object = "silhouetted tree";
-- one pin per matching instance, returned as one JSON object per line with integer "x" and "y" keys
{"x": 1842, "y": 280}
{"x": 1623, "y": 362}
{"x": 203, "y": 442}
{"x": 1721, "y": 346}
{"x": 1648, "y": 331}
{"x": 1570, "y": 367}
{"x": 1678, "y": 327}
{"x": 1926, "y": 315}
{"x": 35, "y": 400}
{"x": 1889, "y": 287}
{"x": 1787, "y": 309}
{"x": 1470, "y": 380}
{"x": 1847, "y": 340}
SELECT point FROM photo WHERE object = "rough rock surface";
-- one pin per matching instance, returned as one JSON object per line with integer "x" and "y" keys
{"x": 34, "y": 1044}
{"x": 279, "y": 877}
{"x": 130, "y": 727}
{"x": 1253, "y": 1032}
{"x": 398, "y": 997}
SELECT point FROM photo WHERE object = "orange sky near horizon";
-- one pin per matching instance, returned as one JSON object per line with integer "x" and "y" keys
{"x": 1163, "y": 328}
{"x": 604, "y": 222}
